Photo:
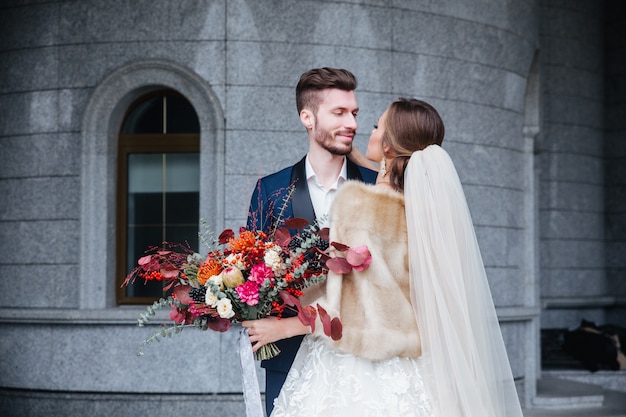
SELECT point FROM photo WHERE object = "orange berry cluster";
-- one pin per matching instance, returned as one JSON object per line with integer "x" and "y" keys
{"x": 277, "y": 307}
{"x": 151, "y": 276}
{"x": 295, "y": 292}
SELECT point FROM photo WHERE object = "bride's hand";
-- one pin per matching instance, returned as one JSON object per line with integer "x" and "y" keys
{"x": 358, "y": 158}
{"x": 271, "y": 329}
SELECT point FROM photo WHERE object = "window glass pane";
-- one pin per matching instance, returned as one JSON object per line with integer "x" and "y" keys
{"x": 145, "y": 172}
{"x": 182, "y": 218}
{"x": 183, "y": 172}
{"x": 182, "y": 198}
{"x": 181, "y": 116}
{"x": 163, "y": 205}
{"x": 146, "y": 117}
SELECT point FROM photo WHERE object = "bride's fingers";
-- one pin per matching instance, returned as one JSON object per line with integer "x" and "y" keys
{"x": 256, "y": 345}
{"x": 255, "y": 336}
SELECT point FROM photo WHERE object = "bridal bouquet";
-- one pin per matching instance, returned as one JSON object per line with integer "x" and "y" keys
{"x": 245, "y": 277}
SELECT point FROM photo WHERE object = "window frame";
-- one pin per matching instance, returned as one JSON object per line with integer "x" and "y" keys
{"x": 129, "y": 143}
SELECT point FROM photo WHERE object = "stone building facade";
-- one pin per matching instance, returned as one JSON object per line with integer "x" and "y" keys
{"x": 532, "y": 93}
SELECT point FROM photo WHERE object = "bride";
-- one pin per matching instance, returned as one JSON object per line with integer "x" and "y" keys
{"x": 420, "y": 334}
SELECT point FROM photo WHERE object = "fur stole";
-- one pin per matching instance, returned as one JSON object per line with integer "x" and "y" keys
{"x": 374, "y": 305}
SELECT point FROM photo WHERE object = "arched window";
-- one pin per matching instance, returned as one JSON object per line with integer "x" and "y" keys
{"x": 158, "y": 184}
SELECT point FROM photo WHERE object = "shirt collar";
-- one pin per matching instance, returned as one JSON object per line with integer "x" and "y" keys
{"x": 310, "y": 174}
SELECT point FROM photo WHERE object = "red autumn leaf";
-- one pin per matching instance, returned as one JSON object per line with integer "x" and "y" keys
{"x": 144, "y": 260}
{"x": 282, "y": 237}
{"x": 332, "y": 328}
{"x": 336, "y": 329}
{"x": 182, "y": 294}
{"x": 164, "y": 252}
{"x": 339, "y": 246}
{"x": 177, "y": 316}
{"x": 360, "y": 257}
{"x": 324, "y": 233}
{"x": 307, "y": 316}
{"x": 169, "y": 273}
{"x": 356, "y": 256}
{"x": 219, "y": 324}
{"x": 225, "y": 236}
{"x": 339, "y": 265}
{"x": 296, "y": 223}
{"x": 325, "y": 318}
{"x": 288, "y": 298}
{"x": 364, "y": 265}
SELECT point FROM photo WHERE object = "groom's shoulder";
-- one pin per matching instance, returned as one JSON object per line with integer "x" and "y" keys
{"x": 369, "y": 176}
{"x": 283, "y": 175}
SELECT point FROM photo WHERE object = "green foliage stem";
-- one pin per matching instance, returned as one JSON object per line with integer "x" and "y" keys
{"x": 151, "y": 310}
{"x": 163, "y": 332}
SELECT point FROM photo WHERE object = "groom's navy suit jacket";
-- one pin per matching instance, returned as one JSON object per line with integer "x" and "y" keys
{"x": 270, "y": 204}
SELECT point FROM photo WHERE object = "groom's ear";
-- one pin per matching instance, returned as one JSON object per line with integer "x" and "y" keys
{"x": 307, "y": 118}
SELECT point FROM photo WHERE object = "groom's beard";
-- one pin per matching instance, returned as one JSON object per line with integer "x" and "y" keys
{"x": 328, "y": 141}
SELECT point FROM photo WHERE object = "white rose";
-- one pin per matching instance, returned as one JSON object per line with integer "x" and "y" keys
{"x": 225, "y": 308}
{"x": 217, "y": 280}
{"x": 273, "y": 260}
{"x": 210, "y": 298}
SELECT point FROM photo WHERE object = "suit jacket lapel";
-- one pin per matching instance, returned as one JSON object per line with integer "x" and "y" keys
{"x": 353, "y": 171}
{"x": 301, "y": 200}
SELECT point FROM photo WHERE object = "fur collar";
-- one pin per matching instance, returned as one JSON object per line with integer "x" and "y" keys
{"x": 374, "y": 305}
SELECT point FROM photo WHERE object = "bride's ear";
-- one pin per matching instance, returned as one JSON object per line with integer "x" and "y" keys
{"x": 387, "y": 152}
{"x": 307, "y": 118}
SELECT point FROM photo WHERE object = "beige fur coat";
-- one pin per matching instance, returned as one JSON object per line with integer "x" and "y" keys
{"x": 374, "y": 305}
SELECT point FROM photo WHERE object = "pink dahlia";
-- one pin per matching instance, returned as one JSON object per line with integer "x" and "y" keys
{"x": 260, "y": 272}
{"x": 248, "y": 293}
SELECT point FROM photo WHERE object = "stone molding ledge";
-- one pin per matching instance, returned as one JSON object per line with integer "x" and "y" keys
{"x": 583, "y": 302}
{"x": 128, "y": 315}
{"x": 109, "y": 316}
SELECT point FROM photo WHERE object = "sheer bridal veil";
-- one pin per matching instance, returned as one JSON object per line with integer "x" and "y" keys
{"x": 464, "y": 354}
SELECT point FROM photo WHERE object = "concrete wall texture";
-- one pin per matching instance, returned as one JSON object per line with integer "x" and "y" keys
{"x": 532, "y": 93}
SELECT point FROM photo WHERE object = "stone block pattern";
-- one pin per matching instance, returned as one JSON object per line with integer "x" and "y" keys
{"x": 615, "y": 157}
{"x": 471, "y": 61}
{"x": 571, "y": 202}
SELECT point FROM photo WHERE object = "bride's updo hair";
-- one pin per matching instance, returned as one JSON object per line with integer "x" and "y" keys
{"x": 411, "y": 125}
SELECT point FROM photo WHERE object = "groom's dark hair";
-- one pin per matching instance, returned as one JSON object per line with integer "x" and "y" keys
{"x": 318, "y": 79}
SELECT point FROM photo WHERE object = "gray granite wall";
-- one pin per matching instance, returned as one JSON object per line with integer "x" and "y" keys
{"x": 571, "y": 161}
{"x": 615, "y": 156}
{"x": 68, "y": 71}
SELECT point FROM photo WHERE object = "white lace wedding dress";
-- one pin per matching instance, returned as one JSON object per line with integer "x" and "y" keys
{"x": 326, "y": 382}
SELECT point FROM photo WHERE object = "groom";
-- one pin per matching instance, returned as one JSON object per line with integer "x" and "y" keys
{"x": 328, "y": 108}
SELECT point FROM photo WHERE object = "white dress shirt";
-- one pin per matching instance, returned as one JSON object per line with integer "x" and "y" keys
{"x": 322, "y": 197}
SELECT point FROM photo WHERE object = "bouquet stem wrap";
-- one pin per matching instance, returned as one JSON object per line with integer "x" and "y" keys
{"x": 251, "y": 392}
{"x": 266, "y": 352}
